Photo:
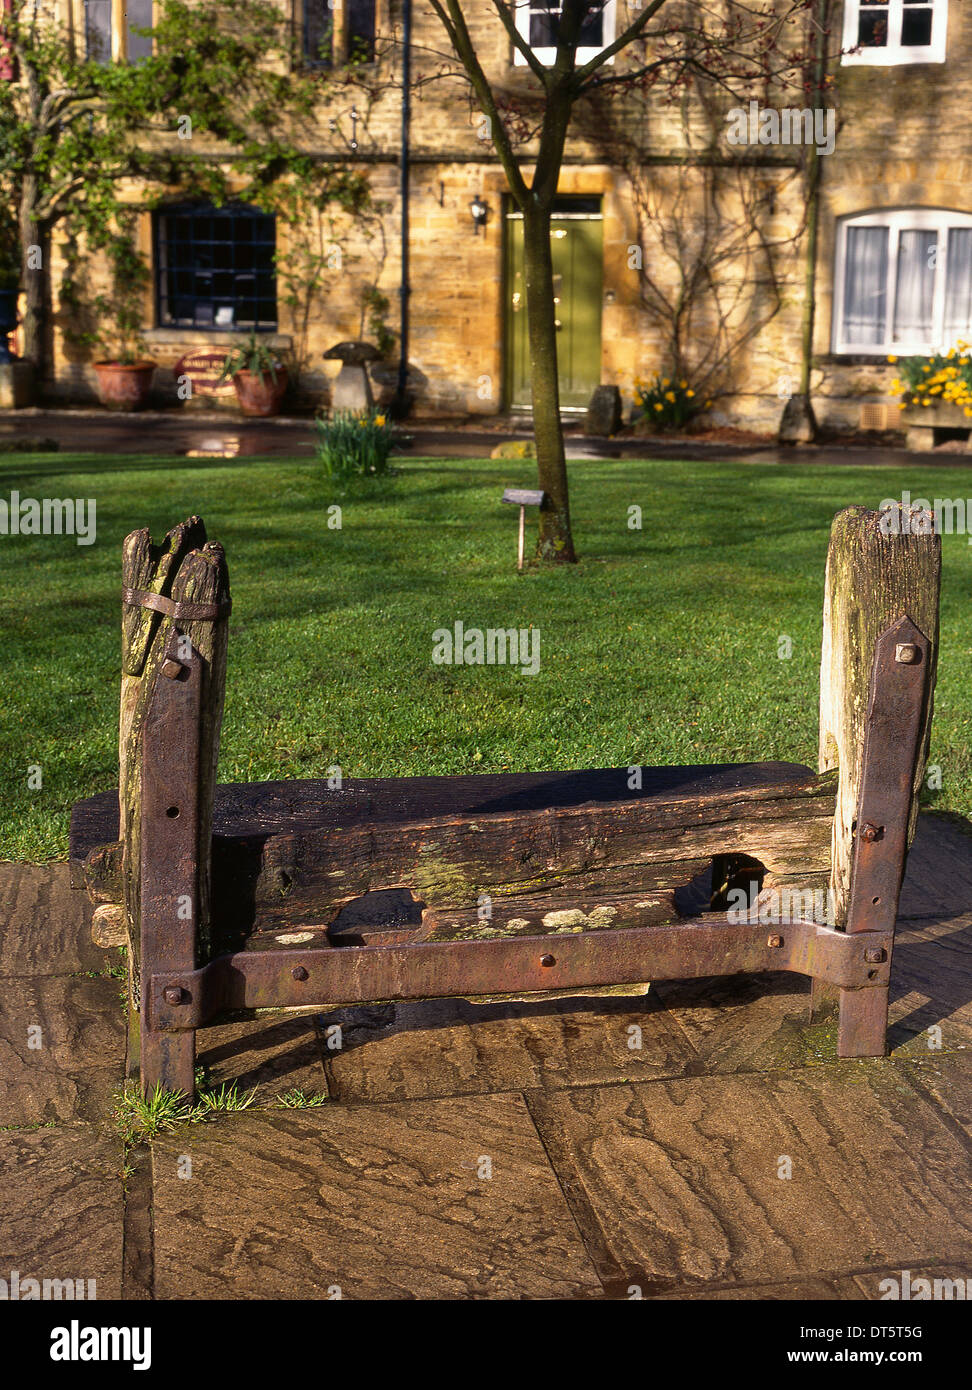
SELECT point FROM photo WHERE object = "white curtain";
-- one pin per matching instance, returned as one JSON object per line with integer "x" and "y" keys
{"x": 958, "y": 285}
{"x": 866, "y": 285}
{"x": 915, "y": 297}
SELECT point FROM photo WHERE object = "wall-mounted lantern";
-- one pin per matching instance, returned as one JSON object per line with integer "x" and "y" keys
{"x": 479, "y": 211}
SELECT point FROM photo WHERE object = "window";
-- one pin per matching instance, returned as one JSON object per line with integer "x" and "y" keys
{"x": 904, "y": 282}
{"x": 360, "y": 29}
{"x": 100, "y": 16}
{"x": 97, "y": 30}
{"x": 138, "y": 15}
{"x": 318, "y": 33}
{"x": 891, "y": 32}
{"x": 338, "y": 30}
{"x": 538, "y": 23}
{"x": 215, "y": 268}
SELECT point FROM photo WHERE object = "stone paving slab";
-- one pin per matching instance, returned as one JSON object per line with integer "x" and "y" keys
{"x": 45, "y": 925}
{"x": 270, "y": 1055}
{"x": 742, "y": 1022}
{"x": 676, "y": 1182}
{"x": 62, "y": 1048}
{"x": 62, "y": 1206}
{"x": 947, "y": 1080}
{"x": 938, "y": 881}
{"x": 937, "y": 1282}
{"x": 381, "y": 1201}
{"x": 454, "y": 1047}
{"x": 931, "y": 987}
{"x": 794, "y": 1291}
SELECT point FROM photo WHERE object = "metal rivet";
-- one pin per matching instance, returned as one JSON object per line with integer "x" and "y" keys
{"x": 171, "y": 668}
{"x": 875, "y": 955}
{"x": 774, "y": 940}
{"x": 299, "y": 973}
{"x": 907, "y": 653}
{"x": 172, "y": 994}
{"x": 870, "y": 832}
{"x": 547, "y": 960}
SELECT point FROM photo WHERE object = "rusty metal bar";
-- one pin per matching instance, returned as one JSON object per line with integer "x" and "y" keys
{"x": 170, "y": 855}
{"x": 895, "y": 717}
{"x": 510, "y": 965}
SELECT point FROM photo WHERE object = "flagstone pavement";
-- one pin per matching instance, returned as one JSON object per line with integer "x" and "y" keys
{"x": 700, "y": 1142}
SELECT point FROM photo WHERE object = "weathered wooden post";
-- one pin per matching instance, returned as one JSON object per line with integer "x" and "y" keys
{"x": 174, "y": 638}
{"x": 877, "y": 680}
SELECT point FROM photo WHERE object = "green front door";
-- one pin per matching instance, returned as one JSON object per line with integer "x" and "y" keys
{"x": 576, "y": 244}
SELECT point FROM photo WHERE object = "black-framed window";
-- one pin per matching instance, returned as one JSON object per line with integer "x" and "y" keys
{"x": 360, "y": 21}
{"x": 319, "y": 33}
{"x": 97, "y": 30}
{"x": 215, "y": 268}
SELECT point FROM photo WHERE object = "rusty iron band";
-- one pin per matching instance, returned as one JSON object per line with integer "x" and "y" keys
{"x": 177, "y": 608}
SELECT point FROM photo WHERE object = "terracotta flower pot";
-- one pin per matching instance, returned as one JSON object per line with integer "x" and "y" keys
{"x": 124, "y": 387}
{"x": 260, "y": 394}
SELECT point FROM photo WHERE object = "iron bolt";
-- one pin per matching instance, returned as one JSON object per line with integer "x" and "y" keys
{"x": 870, "y": 833}
{"x": 299, "y": 973}
{"x": 774, "y": 940}
{"x": 907, "y": 653}
{"x": 875, "y": 955}
{"x": 171, "y": 668}
{"x": 547, "y": 960}
{"x": 172, "y": 994}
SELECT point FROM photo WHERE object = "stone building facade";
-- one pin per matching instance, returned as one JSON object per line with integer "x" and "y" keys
{"x": 645, "y": 194}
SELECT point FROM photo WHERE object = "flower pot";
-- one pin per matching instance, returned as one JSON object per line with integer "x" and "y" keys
{"x": 122, "y": 386}
{"x": 260, "y": 393}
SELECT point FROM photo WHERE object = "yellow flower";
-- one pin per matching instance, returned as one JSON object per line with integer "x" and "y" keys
{"x": 670, "y": 396}
{"x": 690, "y": 394}
{"x": 683, "y": 384}
{"x": 379, "y": 419}
{"x": 892, "y": 358}
{"x": 666, "y": 382}
{"x": 707, "y": 404}
{"x": 659, "y": 406}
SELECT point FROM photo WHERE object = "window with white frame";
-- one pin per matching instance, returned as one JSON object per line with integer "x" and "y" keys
{"x": 538, "y": 23}
{"x": 110, "y": 30}
{"x": 903, "y": 282}
{"x": 888, "y": 33}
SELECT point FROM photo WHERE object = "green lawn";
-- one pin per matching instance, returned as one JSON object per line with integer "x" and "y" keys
{"x": 660, "y": 646}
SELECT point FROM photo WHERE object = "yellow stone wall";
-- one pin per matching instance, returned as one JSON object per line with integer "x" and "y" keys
{"x": 903, "y": 142}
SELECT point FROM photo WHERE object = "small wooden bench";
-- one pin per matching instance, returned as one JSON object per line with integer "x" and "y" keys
{"x": 301, "y": 895}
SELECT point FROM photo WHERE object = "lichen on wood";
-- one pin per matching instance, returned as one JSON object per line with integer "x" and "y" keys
{"x": 881, "y": 566}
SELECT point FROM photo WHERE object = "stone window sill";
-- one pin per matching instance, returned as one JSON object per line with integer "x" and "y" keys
{"x": 207, "y": 337}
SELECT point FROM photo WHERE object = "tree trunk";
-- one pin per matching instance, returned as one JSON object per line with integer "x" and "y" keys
{"x": 32, "y": 236}
{"x": 555, "y": 543}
